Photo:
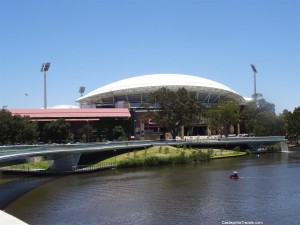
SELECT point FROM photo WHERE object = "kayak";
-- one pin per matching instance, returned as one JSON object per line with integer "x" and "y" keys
{"x": 232, "y": 176}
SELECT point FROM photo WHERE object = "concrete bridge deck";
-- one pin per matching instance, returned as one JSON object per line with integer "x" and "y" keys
{"x": 68, "y": 157}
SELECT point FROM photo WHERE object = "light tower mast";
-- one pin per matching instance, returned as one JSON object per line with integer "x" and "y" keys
{"x": 254, "y": 75}
{"x": 81, "y": 91}
{"x": 45, "y": 68}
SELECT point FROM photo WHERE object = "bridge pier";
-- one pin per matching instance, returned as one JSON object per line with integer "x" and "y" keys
{"x": 254, "y": 146}
{"x": 284, "y": 146}
{"x": 64, "y": 162}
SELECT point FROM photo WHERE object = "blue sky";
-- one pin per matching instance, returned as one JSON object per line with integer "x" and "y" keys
{"x": 95, "y": 42}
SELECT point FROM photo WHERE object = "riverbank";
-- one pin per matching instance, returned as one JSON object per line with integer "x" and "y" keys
{"x": 164, "y": 155}
{"x": 153, "y": 156}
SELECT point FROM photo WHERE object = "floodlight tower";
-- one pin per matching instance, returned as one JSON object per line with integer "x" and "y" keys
{"x": 81, "y": 90}
{"x": 45, "y": 68}
{"x": 254, "y": 74}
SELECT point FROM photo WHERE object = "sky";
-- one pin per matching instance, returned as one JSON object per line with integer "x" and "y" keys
{"x": 92, "y": 43}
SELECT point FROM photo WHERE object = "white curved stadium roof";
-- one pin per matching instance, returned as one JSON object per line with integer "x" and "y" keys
{"x": 64, "y": 107}
{"x": 150, "y": 83}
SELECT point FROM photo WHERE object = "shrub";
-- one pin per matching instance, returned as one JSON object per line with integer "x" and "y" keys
{"x": 166, "y": 150}
{"x": 195, "y": 157}
{"x": 134, "y": 162}
{"x": 249, "y": 152}
{"x": 159, "y": 150}
{"x": 152, "y": 161}
{"x": 236, "y": 149}
{"x": 199, "y": 156}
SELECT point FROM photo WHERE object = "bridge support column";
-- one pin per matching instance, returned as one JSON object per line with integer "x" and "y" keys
{"x": 208, "y": 131}
{"x": 64, "y": 162}
{"x": 254, "y": 146}
{"x": 284, "y": 146}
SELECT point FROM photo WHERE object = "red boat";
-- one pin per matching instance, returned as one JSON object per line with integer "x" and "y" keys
{"x": 234, "y": 175}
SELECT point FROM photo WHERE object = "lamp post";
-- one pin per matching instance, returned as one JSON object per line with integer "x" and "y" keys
{"x": 26, "y": 95}
{"x": 81, "y": 91}
{"x": 45, "y": 68}
{"x": 254, "y": 75}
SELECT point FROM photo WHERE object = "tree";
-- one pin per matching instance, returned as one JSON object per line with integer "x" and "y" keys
{"x": 87, "y": 131}
{"x": 57, "y": 131}
{"x": 6, "y": 124}
{"x": 220, "y": 117}
{"x": 296, "y": 122}
{"x": 25, "y": 131}
{"x": 16, "y": 129}
{"x": 292, "y": 123}
{"x": 118, "y": 132}
{"x": 175, "y": 109}
{"x": 266, "y": 124}
{"x": 262, "y": 120}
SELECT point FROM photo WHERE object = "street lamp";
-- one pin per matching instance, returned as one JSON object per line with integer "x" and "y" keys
{"x": 254, "y": 74}
{"x": 45, "y": 68}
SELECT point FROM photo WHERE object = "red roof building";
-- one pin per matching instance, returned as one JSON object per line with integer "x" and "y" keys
{"x": 78, "y": 114}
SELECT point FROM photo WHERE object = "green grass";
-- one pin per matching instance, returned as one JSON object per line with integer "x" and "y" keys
{"x": 166, "y": 152}
{"x": 31, "y": 166}
{"x": 217, "y": 153}
{"x": 156, "y": 155}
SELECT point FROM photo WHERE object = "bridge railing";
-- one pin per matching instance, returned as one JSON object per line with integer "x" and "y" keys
{"x": 19, "y": 149}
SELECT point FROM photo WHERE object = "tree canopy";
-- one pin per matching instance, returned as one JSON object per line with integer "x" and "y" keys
{"x": 220, "y": 117}
{"x": 175, "y": 109}
{"x": 261, "y": 121}
{"x": 16, "y": 129}
{"x": 57, "y": 131}
{"x": 291, "y": 123}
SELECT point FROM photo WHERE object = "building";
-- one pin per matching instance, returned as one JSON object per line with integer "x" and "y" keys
{"x": 132, "y": 92}
{"x": 78, "y": 118}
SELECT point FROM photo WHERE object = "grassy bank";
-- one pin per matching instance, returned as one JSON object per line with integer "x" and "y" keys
{"x": 166, "y": 155}
{"x": 31, "y": 166}
{"x": 153, "y": 156}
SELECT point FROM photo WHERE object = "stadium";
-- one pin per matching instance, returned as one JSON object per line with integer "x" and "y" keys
{"x": 132, "y": 92}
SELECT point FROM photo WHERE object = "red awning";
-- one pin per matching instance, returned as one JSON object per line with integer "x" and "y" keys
{"x": 72, "y": 114}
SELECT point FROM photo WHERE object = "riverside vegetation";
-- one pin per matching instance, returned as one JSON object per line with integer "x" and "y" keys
{"x": 153, "y": 156}
{"x": 168, "y": 155}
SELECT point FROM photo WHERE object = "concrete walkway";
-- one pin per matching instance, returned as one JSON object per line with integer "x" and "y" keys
{"x": 6, "y": 219}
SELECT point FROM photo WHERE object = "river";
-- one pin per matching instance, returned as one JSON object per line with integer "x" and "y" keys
{"x": 268, "y": 192}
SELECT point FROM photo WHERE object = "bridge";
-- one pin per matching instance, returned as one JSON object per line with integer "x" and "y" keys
{"x": 70, "y": 157}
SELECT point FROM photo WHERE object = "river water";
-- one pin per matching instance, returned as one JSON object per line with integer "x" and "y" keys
{"x": 268, "y": 192}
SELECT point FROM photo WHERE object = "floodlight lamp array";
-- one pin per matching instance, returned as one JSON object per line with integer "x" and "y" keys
{"x": 45, "y": 67}
{"x": 253, "y": 68}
